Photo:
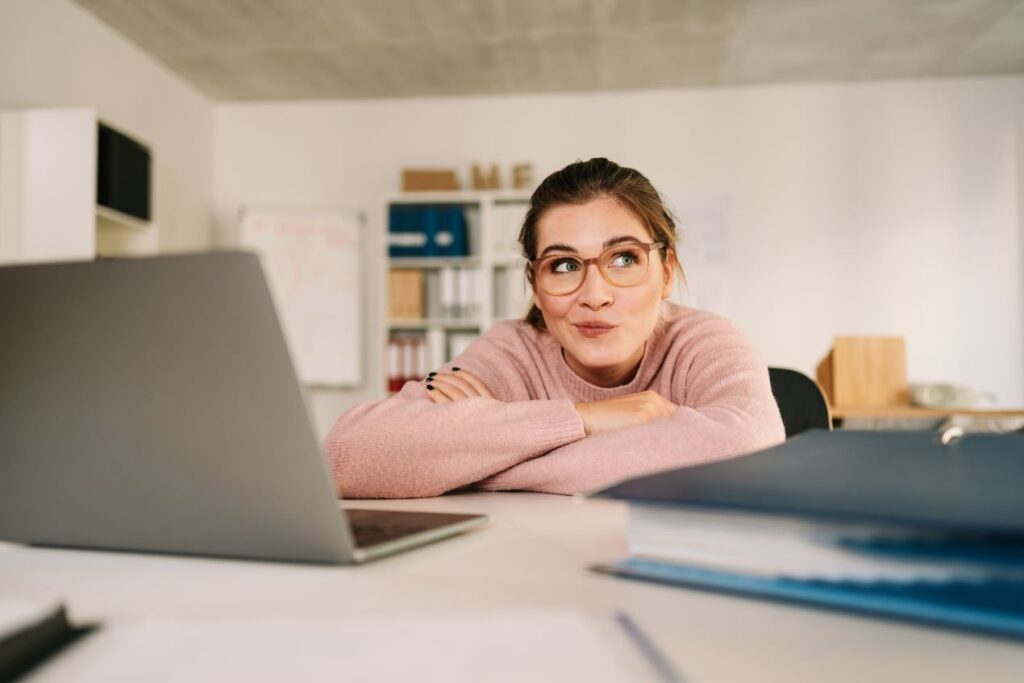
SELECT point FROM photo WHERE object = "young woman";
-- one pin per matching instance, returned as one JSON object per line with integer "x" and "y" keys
{"x": 602, "y": 381}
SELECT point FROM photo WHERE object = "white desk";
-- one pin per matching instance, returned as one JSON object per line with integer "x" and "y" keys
{"x": 532, "y": 556}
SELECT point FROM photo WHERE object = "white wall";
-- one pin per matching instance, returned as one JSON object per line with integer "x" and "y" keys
{"x": 869, "y": 208}
{"x": 874, "y": 208}
{"x": 54, "y": 54}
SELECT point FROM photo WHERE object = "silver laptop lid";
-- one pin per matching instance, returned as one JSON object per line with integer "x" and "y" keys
{"x": 151, "y": 404}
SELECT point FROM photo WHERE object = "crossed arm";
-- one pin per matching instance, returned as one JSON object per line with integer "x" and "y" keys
{"x": 409, "y": 447}
{"x": 634, "y": 434}
{"x": 607, "y": 415}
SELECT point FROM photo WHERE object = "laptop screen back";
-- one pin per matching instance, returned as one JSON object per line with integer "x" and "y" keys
{"x": 151, "y": 404}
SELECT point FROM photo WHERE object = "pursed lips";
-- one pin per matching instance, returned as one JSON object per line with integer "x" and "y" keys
{"x": 592, "y": 328}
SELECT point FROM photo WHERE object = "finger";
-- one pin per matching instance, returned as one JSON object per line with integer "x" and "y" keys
{"x": 478, "y": 385}
{"x": 436, "y": 396}
{"x": 663, "y": 405}
{"x": 456, "y": 379}
{"x": 667, "y": 408}
{"x": 451, "y": 388}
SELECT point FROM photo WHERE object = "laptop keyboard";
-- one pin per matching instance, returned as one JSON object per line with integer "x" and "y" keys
{"x": 374, "y": 534}
{"x": 374, "y": 527}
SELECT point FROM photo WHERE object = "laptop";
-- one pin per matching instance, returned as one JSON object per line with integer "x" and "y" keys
{"x": 151, "y": 405}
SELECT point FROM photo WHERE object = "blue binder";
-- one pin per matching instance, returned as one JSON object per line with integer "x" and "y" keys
{"x": 454, "y": 225}
{"x": 428, "y": 223}
{"x": 973, "y": 483}
{"x": 992, "y": 605}
{"x": 958, "y": 508}
{"x": 406, "y": 232}
{"x": 427, "y": 230}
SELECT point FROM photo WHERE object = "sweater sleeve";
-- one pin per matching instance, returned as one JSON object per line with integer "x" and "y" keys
{"x": 729, "y": 410}
{"x": 407, "y": 446}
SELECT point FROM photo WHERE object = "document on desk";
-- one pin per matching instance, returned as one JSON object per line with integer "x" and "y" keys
{"x": 942, "y": 577}
{"x": 514, "y": 646}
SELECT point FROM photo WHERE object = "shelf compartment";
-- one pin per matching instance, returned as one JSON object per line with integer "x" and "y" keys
{"x": 445, "y": 323}
{"x": 402, "y": 262}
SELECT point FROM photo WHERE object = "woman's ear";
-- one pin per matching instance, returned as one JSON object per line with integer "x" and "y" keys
{"x": 669, "y": 273}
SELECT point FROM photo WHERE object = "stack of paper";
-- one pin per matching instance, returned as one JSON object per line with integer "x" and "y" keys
{"x": 894, "y": 524}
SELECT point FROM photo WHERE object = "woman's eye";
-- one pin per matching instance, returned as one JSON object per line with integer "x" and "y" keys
{"x": 624, "y": 259}
{"x": 565, "y": 266}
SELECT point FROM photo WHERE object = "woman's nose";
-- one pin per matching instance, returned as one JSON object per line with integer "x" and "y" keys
{"x": 594, "y": 292}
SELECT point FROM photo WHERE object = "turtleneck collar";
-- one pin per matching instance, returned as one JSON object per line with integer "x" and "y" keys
{"x": 587, "y": 391}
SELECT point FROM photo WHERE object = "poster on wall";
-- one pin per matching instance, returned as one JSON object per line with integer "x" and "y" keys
{"x": 313, "y": 264}
{"x": 705, "y": 227}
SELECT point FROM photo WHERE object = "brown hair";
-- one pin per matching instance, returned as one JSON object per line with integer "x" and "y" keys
{"x": 584, "y": 181}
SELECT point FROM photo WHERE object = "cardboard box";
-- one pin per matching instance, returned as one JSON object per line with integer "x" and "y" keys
{"x": 405, "y": 291}
{"x": 429, "y": 180}
{"x": 865, "y": 372}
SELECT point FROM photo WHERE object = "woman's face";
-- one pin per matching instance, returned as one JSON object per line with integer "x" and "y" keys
{"x": 602, "y": 328}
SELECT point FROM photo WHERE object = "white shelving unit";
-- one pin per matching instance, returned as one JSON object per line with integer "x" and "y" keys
{"x": 494, "y": 219}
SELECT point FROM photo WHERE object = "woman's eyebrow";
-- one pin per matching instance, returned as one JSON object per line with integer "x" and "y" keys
{"x": 621, "y": 239}
{"x": 572, "y": 250}
{"x": 558, "y": 247}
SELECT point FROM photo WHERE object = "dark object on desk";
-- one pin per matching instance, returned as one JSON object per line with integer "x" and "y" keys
{"x": 903, "y": 477}
{"x": 36, "y": 641}
{"x": 801, "y": 401}
{"x": 151, "y": 405}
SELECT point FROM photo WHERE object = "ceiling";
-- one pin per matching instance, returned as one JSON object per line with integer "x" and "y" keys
{"x": 318, "y": 49}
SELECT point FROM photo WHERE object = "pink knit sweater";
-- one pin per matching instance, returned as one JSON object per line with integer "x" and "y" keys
{"x": 530, "y": 436}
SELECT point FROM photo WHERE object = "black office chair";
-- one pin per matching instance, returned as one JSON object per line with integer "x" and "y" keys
{"x": 802, "y": 403}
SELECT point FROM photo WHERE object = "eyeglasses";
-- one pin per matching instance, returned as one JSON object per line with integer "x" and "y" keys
{"x": 623, "y": 265}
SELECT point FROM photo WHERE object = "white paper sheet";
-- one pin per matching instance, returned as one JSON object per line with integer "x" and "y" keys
{"x": 775, "y": 546}
{"x": 521, "y": 646}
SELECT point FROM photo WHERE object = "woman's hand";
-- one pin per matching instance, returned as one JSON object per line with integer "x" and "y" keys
{"x": 458, "y": 385}
{"x": 623, "y": 412}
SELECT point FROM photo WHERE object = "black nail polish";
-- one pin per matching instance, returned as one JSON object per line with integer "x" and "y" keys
{"x": 456, "y": 369}
{"x": 430, "y": 387}
{"x": 431, "y": 374}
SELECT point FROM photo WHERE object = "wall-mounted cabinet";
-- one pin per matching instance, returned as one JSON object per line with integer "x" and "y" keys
{"x": 48, "y": 191}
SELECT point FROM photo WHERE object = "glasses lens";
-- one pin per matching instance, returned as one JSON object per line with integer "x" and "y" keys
{"x": 624, "y": 265}
{"x": 560, "y": 274}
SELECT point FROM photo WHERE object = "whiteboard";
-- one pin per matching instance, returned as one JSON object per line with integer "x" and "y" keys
{"x": 312, "y": 260}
